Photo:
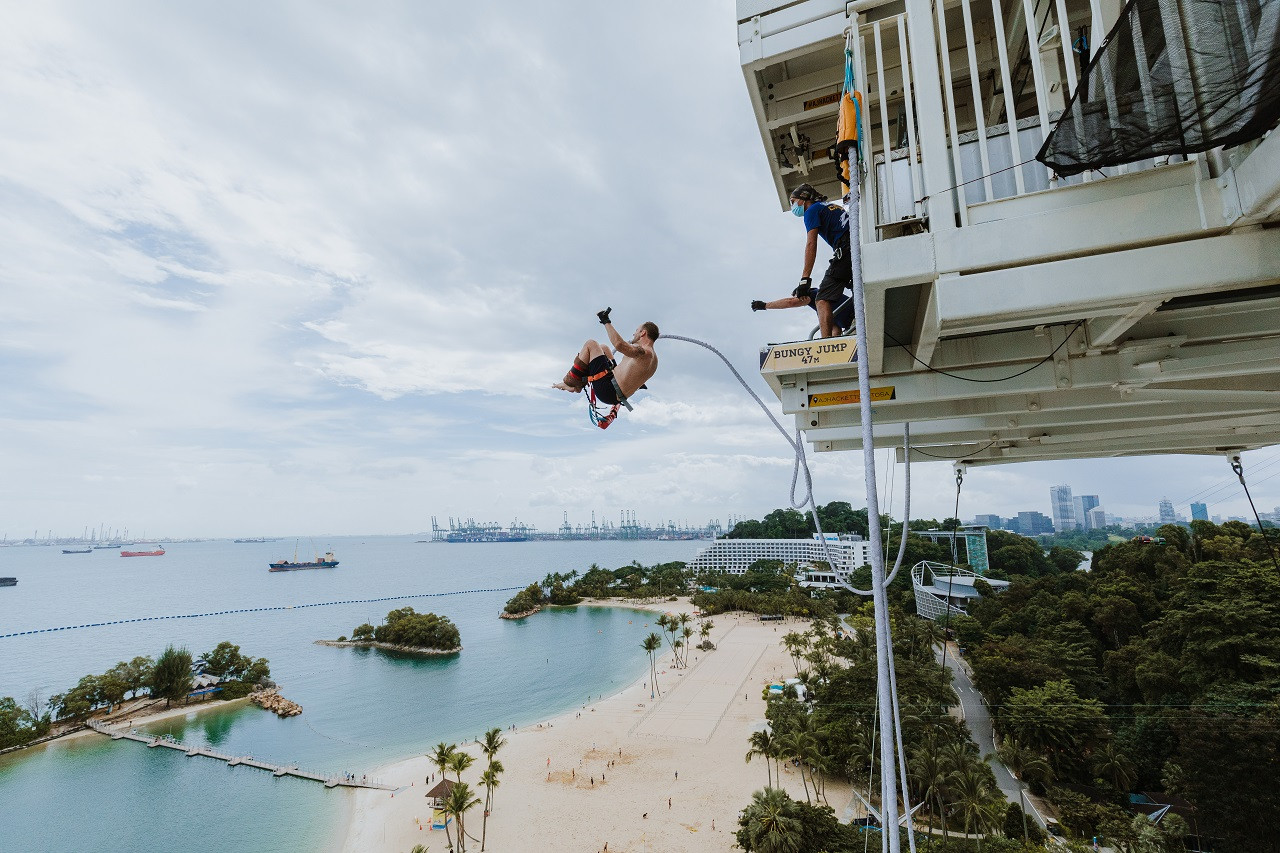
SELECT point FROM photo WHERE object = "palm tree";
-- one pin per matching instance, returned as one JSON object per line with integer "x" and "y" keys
{"x": 762, "y": 745}
{"x": 1114, "y": 766}
{"x": 497, "y": 770}
{"x": 974, "y": 799}
{"x": 686, "y": 632}
{"x": 441, "y": 755}
{"x": 651, "y": 645}
{"x": 489, "y": 779}
{"x": 929, "y": 775}
{"x": 456, "y": 805}
{"x": 459, "y": 762}
{"x": 796, "y": 645}
{"x": 798, "y": 745}
{"x": 771, "y": 822}
{"x": 1024, "y": 763}
{"x": 493, "y": 741}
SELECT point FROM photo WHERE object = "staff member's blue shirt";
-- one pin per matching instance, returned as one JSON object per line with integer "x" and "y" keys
{"x": 830, "y": 219}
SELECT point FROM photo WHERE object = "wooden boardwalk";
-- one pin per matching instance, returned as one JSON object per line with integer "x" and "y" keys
{"x": 156, "y": 742}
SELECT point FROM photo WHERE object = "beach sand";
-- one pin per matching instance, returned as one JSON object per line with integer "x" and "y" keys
{"x": 681, "y": 763}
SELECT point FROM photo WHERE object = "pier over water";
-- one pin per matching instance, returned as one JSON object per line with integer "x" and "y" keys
{"x": 155, "y": 741}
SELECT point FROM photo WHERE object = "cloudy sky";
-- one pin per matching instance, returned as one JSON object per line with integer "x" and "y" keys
{"x": 311, "y": 267}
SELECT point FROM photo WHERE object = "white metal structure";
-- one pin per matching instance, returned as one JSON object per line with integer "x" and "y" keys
{"x": 1130, "y": 313}
{"x": 940, "y": 588}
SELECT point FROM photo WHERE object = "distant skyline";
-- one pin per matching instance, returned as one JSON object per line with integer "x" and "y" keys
{"x": 306, "y": 267}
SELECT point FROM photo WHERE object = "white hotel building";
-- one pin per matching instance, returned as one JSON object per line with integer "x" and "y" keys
{"x": 734, "y": 556}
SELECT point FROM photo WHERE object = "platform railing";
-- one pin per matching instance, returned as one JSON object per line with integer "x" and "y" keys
{"x": 1007, "y": 69}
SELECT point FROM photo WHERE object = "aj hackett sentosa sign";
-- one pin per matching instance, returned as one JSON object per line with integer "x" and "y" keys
{"x": 808, "y": 354}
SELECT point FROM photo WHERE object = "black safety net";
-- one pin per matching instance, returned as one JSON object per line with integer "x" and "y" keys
{"x": 1172, "y": 77}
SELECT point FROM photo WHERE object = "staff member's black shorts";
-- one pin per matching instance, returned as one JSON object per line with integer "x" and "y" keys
{"x": 839, "y": 275}
{"x": 604, "y": 385}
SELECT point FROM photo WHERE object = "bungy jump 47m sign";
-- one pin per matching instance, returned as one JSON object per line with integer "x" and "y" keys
{"x": 820, "y": 353}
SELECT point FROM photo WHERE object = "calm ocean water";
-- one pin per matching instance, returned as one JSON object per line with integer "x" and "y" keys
{"x": 363, "y": 707}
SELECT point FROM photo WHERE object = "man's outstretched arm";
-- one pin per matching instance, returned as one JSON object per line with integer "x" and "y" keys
{"x": 621, "y": 344}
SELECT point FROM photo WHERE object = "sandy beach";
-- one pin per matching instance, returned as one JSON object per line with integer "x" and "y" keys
{"x": 635, "y": 773}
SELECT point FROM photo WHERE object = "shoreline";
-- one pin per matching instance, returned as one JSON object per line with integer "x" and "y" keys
{"x": 131, "y": 721}
{"x": 685, "y": 747}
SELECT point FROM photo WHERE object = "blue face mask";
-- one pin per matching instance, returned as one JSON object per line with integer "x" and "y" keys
{"x": 797, "y": 210}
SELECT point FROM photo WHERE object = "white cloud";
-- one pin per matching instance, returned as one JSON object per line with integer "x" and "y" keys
{"x": 344, "y": 252}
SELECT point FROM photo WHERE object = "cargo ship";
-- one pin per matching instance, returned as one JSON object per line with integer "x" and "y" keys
{"x": 159, "y": 552}
{"x": 328, "y": 561}
{"x": 8, "y": 581}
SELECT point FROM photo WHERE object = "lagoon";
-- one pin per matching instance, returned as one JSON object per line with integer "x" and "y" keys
{"x": 363, "y": 707}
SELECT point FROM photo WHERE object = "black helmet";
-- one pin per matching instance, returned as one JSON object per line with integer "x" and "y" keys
{"x": 804, "y": 192}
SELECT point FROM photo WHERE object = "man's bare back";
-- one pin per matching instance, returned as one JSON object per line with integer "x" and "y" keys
{"x": 635, "y": 370}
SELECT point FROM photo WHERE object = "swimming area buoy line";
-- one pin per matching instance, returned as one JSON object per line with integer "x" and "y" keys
{"x": 261, "y": 610}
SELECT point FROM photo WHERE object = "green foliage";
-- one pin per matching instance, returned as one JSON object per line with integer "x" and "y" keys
{"x": 138, "y": 673}
{"x": 226, "y": 662}
{"x": 779, "y": 524}
{"x": 529, "y": 598}
{"x": 171, "y": 677}
{"x": 1157, "y": 670}
{"x": 1054, "y": 721}
{"x": 406, "y": 627}
{"x": 562, "y": 596}
{"x": 362, "y": 632}
{"x": 1012, "y": 555}
{"x": 235, "y": 689}
{"x": 775, "y": 823}
{"x": 18, "y": 725}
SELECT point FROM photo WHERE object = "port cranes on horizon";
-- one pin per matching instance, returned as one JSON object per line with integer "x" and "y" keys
{"x": 628, "y": 527}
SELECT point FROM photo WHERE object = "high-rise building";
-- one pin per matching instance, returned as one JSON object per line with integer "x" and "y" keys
{"x": 1199, "y": 512}
{"x": 1084, "y": 503}
{"x": 1096, "y": 519}
{"x": 1063, "y": 508}
{"x": 1166, "y": 512}
{"x": 1030, "y": 524}
{"x": 994, "y": 522}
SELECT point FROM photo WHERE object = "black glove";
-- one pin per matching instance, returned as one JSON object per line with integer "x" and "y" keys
{"x": 604, "y": 316}
{"x": 804, "y": 289}
{"x": 758, "y": 305}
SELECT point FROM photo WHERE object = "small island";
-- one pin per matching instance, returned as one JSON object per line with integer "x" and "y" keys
{"x": 524, "y": 603}
{"x": 405, "y": 630}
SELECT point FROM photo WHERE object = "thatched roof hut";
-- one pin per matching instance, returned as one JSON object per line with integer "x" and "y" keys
{"x": 440, "y": 792}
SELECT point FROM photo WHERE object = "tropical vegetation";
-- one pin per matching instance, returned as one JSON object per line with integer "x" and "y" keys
{"x": 448, "y": 758}
{"x": 166, "y": 677}
{"x": 1156, "y": 671}
{"x": 408, "y": 628}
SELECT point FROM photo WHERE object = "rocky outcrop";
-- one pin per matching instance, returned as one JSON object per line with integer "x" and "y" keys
{"x": 521, "y": 615}
{"x": 271, "y": 700}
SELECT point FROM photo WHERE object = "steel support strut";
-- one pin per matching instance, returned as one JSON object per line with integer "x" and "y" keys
{"x": 884, "y": 648}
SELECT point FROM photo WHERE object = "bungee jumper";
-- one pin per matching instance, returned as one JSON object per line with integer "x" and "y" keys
{"x": 830, "y": 221}
{"x": 611, "y": 382}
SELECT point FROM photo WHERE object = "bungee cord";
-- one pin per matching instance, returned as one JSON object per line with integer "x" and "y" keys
{"x": 799, "y": 463}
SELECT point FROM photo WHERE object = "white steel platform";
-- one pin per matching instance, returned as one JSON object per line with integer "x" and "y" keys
{"x": 1155, "y": 288}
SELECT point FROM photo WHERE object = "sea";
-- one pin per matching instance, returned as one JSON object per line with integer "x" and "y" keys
{"x": 362, "y": 707}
